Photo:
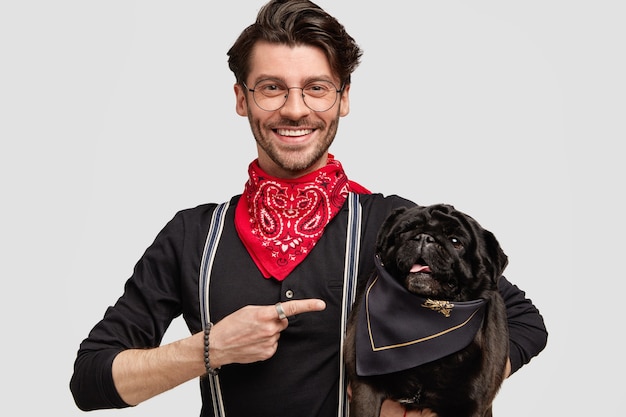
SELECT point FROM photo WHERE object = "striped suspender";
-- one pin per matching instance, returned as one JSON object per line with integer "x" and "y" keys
{"x": 353, "y": 241}
{"x": 208, "y": 255}
{"x": 349, "y": 291}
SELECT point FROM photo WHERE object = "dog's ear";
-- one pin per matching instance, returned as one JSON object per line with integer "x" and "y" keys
{"x": 495, "y": 253}
{"x": 384, "y": 239}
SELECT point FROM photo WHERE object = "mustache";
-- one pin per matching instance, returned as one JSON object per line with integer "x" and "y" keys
{"x": 304, "y": 123}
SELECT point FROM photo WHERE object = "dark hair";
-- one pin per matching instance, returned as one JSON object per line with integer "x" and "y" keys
{"x": 296, "y": 22}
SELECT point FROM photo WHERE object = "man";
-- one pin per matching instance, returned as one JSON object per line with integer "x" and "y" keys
{"x": 264, "y": 282}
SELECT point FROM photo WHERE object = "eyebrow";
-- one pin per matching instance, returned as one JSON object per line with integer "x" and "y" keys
{"x": 306, "y": 81}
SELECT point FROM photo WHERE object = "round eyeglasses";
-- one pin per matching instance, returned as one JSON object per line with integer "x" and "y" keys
{"x": 271, "y": 95}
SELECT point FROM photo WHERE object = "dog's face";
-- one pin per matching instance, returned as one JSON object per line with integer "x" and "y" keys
{"x": 441, "y": 253}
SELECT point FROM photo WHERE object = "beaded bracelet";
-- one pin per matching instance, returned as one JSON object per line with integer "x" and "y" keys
{"x": 207, "y": 363}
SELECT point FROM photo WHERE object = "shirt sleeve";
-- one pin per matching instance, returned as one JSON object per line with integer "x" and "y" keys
{"x": 139, "y": 319}
{"x": 528, "y": 335}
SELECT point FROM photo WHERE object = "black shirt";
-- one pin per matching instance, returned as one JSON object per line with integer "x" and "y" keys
{"x": 302, "y": 377}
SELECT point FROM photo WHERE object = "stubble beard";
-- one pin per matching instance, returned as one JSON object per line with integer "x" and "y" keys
{"x": 294, "y": 159}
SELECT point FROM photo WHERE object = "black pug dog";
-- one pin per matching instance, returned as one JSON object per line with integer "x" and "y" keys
{"x": 429, "y": 330}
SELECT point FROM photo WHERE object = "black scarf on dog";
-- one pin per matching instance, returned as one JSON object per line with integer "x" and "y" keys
{"x": 398, "y": 330}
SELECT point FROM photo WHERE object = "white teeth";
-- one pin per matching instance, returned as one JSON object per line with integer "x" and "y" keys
{"x": 287, "y": 132}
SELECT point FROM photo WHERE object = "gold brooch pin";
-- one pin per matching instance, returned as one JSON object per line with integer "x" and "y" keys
{"x": 441, "y": 306}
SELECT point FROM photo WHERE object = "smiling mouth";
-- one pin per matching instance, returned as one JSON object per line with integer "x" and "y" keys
{"x": 294, "y": 132}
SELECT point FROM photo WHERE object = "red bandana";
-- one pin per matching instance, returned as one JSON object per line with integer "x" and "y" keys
{"x": 280, "y": 220}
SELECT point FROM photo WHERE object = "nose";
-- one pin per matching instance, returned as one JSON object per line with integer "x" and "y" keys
{"x": 424, "y": 239}
{"x": 294, "y": 107}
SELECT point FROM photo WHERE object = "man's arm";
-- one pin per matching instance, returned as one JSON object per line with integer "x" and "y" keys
{"x": 140, "y": 374}
{"x": 248, "y": 335}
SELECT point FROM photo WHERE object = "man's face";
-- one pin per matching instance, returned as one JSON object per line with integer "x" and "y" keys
{"x": 293, "y": 140}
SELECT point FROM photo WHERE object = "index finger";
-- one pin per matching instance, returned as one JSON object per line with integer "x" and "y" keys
{"x": 306, "y": 305}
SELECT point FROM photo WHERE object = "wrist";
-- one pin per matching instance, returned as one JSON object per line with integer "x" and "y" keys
{"x": 210, "y": 370}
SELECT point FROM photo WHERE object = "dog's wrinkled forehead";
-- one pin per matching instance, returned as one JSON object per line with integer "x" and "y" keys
{"x": 438, "y": 219}
{"x": 441, "y": 219}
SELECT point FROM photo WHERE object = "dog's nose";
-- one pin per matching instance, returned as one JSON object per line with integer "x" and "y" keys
{"x": 424, "y": 238}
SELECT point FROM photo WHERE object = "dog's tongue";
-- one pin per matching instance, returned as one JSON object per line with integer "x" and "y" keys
{"x": 420, "y": 268}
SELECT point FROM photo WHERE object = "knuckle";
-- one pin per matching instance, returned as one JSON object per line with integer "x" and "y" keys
{"x": 291, "y": 308}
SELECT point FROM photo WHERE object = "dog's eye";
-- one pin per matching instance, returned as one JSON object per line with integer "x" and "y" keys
{"x": 456, "y": 242}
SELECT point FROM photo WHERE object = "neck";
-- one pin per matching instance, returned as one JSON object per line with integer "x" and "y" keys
{"x": 276, "y": 170}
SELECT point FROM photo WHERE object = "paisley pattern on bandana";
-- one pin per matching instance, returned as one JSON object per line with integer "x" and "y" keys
{"x": 280, "y": 220}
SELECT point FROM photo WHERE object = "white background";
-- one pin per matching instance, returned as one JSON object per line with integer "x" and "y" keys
{"x": 116, "y": 114}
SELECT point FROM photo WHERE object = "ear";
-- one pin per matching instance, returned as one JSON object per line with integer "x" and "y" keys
{"x": 497, "y": 256}
{"x": 241, "y": 105}
{"x": 383, "y": 240}
{"x": 344, "y": 101}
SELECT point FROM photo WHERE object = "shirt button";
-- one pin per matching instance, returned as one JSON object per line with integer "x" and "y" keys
{"x": 289, "y": 294}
